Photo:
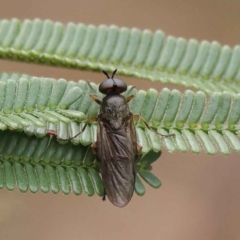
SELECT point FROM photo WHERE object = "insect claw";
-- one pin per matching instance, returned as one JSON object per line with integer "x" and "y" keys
{"x": 52, "y": 133}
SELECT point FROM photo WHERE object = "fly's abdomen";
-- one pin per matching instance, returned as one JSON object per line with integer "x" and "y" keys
{"x": 117, "y": 154}
{"x": 119, "y": 183}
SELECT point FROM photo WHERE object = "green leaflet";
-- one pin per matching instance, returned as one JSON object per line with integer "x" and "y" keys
{"x": 35, "y": 101}
{"x": 206, "y": 66}
{"x": 139, "y": 187}
{"x": 151, "y": 179}
{"x": 44, "y": 165}
{"x": 195, "y": 119}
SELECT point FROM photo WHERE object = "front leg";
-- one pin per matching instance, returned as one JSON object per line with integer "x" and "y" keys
{"x": 129, "y": 98}
{"x": 94, "y": 98}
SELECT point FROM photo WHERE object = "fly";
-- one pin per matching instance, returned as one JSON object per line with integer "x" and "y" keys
{"x": 117, "y": 147}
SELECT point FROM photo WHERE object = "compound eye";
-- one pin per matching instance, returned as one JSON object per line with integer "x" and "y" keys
{"x": 112, "y": 86}
{"x": 106, "y": 86}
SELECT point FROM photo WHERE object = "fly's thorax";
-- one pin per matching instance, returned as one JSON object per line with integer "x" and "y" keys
{"x": 115, "y": 111}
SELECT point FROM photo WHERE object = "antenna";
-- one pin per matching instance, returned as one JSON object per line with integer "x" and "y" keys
{"x": 114, "y": 73}
{"x": 114, "y": 83}
{"x": 106, "y": 74}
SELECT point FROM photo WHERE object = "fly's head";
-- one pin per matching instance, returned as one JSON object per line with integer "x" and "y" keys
{"x": 112, "y": 86}
{"x": 115, "y": 111}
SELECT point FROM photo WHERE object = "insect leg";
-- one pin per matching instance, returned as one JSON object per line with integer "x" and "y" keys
{"x": 91, "y": 119}
{"x": 139, "y": 148}
{"x": 129, "y": 98}
{"x": 144, "y": 121}
{"x": 94, "y": 97}
{"x": 93, "y": 146}
{"x": 51, "y": 133}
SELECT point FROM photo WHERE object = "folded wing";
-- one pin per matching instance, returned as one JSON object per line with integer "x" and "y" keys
{"x": 117, "y": 152}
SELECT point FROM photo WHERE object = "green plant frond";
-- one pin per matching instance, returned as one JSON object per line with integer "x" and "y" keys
{"x": 198, "y": 122}
{"x": 33, "y": 102}
{"x": 44, "y": 165}
{"x": 206, "y": 66}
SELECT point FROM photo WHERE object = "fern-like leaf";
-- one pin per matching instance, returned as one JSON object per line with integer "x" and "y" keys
{"x": 31, "y": 106}
{"x": 198, "y": 122}
{"x": 206, "y": 66}
{"x": 44, "y": 165}
{"x": 32, "y": 102}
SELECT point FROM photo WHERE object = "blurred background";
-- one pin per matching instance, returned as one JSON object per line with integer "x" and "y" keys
{"x": 199, "y": 197}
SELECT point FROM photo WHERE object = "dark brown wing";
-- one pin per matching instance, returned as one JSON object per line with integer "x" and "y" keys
{"x": 117, "y": 152}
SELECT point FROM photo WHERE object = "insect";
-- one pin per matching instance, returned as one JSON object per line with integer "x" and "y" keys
{"x": 117, "y": 147}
